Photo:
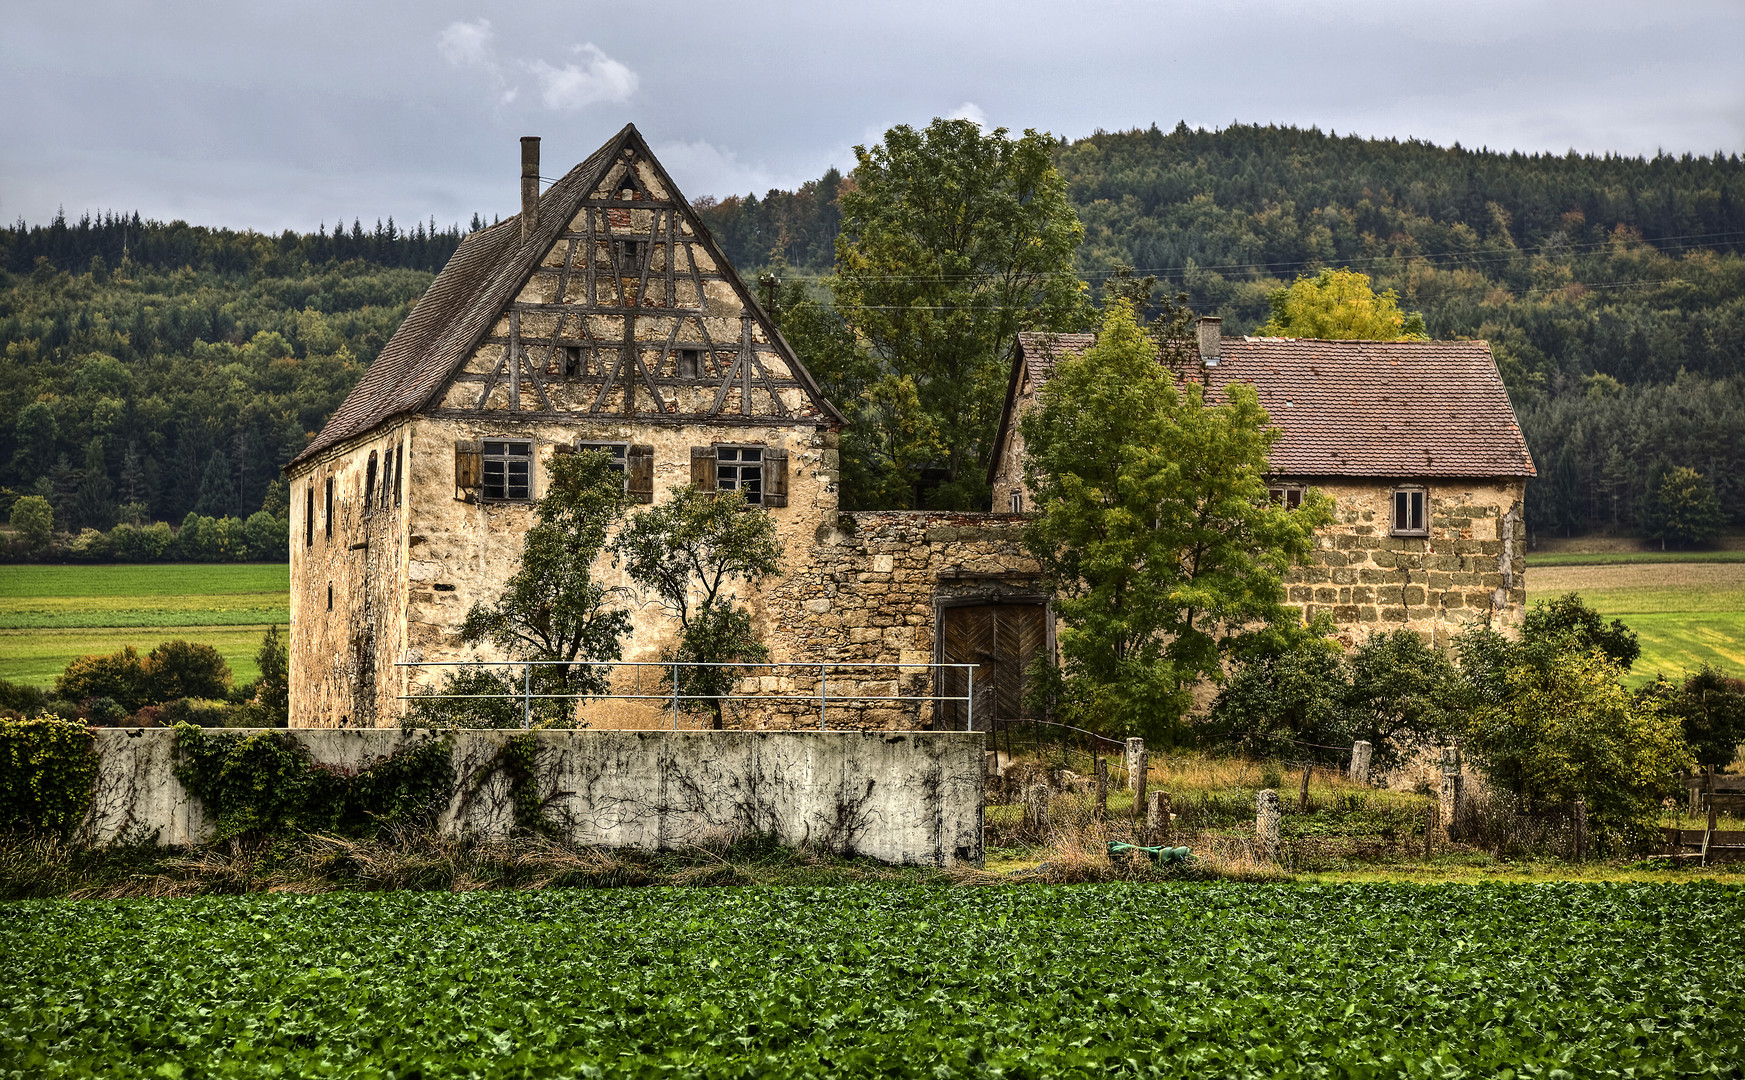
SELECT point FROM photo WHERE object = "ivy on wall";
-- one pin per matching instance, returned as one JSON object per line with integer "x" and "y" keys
{"x": 266, "y": 783}
{"x": 48, "y": 770}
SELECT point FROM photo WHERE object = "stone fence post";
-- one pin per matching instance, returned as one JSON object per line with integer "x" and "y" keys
{"x": 1450, "y": 794}
{"x": 1266, "y": 824}
{"x": 1361, "y": 752}
{"x": 1135, "y": 764}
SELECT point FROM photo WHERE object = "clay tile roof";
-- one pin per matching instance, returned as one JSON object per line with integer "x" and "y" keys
{"x": 486, "y": 271}
{"x": 1365, "y": 408}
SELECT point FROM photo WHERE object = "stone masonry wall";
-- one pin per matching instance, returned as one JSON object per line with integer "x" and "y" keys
{"x": 1469, "y": 569}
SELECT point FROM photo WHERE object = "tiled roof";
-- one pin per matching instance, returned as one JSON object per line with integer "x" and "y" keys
{"x": 1361, "y": 408}
{"x": 486, "y": 271}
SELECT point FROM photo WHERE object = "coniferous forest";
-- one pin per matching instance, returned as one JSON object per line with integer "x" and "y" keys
{"x": 153, "y": 370}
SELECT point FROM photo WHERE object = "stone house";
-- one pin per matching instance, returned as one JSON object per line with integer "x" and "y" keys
{"x": 604, "y": 315}
{"x": 1415, "y": 441}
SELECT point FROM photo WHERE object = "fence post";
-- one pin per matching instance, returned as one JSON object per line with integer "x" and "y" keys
{"x": 1360, "y": 754}
{"x": 1580, "y": 829}
{"x": 1135, "y": 763}
{"x": 1266, "y": 822}
{"x": 1430, "y": 825}
{"x": 1102, "y": 771}
{"x": 1303, "y": 795}
{"x": 1037, "y": 804}
{"x": 1450, "y": 794}
{"x": 1157, "y": 817}
{"x": 1139, "y": 787}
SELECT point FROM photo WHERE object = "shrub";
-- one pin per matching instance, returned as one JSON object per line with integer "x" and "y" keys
{"x": 1403, "y": 695}
{"x": 121, "y": 676}
{"x": 1270, "y": 701}
{"x": 48, "y": 769}
{"x": 474, "y": 698}
{"x": 200, "y": 712}
{"x": 22, "y": 700}
{"x": 1710, "y": 707}
{"x": 1567, "y": 622}
{"x": 33, "y": 519}
{"x": 186, "y": 669}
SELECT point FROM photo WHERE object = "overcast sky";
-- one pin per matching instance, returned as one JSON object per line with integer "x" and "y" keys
{"x": 288, "y": 114}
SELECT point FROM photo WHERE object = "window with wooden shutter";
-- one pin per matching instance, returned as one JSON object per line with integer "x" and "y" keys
{"x": 703, "y": 467}
{"x": 639, "y": 473}
{"x": 469, "y": 464}
{"x": 775, "y": 477}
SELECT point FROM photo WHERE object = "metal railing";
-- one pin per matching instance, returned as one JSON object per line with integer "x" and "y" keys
{"x": 672, "y": 668}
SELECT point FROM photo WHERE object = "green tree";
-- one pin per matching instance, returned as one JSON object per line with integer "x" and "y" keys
{"x": 33, "y": 519}
{"x": 1568, "y": 623}
{"x": 1683, "y": 509}
{"x": 552, "y": 608}
{"x": 1403, "y": 695}
{"x": 952, "y": 242}
{"x": 185, "y": 669}
{"x": 1155, "y": 531}
{"x": 93, "y": 505}
{"x": 1339, "y": 305}
{"x": 1710, "y": 707}
{"x": 35, "y": 434}
{"x": 272, "y": 691}
{"x": 688, "y": 552}
{"x": 1272, "y": 702}
{"x": 1566, "y": 727}
{"x": 119, "y": 676}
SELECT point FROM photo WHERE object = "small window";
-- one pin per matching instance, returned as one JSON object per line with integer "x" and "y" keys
{"x": 740, "y": 468}
{"x": 330, "y": 596}
{"x": 1017, "y": 502}
{"x": 399, "y": 472}
{"x": 616, "y": 450}
{"x": 629, "y": 253}
{"x": 690, "y": 363}
{"x": 370, "y": 483}
{"x": 329, "y": 522}
{"x": 572, "y": 361}
{"x": 1290, "y": 495}
{"x": 1409, "y": 519}
{"x": 508, "y": 468}
{"x": 309, "y": 516}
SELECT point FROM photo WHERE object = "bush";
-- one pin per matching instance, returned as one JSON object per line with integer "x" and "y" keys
{"x": 120, "y": 676}
{"x": 186, "y": 669}
{"x": 1271, "y": 702}
{"x": 21, "y": 700}
{"x": 33, "y": 519}
{"x": 1403, "y": 696}
{"x": 1710, "y": 707}
{"x": 201, "y": 712}
{"x": 482, "y": 698}
{"x": 48, "y": 769}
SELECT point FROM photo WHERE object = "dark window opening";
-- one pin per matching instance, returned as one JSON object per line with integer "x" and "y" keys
{"x": 508, "y": 470}
{"x": 572, "y": 361}
{"x": 616, "y": 451}
{"x": 1409, "y": 517}
{"x": 690, "y": 363}
{"x": 630, "y": 254}
{"x": 309, "y": 516}
{"x": 329, "y": 522}
{"x": 399, "y": 472}
{"x": 370, "y": 483}
{"x": 1290, "y": 496}
{"x": 740, "y": 468}
{"x": 330, "y": 596}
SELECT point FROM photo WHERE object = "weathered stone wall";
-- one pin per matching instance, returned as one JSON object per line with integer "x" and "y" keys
{"x": 870, "y": 590}
{"x": 1470, "y": 568}
{"x": 914, "y": 798}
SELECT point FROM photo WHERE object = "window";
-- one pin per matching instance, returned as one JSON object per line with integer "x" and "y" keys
{"x": 1289, "y": 494}
{"x": 572, "y": 361}
{"x": 330, "y": 596}
{"x": 690, "y": 363}
{"x": 740, "y": 468}
{"x": 1017, "y": 502}
{"x": 508, "y": 469}
{"x": 399, "y": 471}
{"x": 329, "y": 523}
{"x": 309, "y": 516}
{"x": 629, "y": 254}
{"x": 370, "y": 483}
{"x": 1409, "y": 519}
{"x": 615, "y": 449}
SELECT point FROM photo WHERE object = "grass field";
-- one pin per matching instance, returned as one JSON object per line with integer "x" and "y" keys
{"x": 51, "y": 614}
{"x": 1170, "y": 980}
{"x": 1604, "y": 558}
{"x": 1684, "y": 614}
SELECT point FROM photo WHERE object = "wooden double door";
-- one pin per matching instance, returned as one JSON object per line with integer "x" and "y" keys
{"x": 1001, "y": 640}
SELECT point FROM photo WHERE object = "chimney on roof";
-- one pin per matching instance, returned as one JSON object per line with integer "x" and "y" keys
{"x": 529, "y": 186}
{"x": 1211, "y": 336}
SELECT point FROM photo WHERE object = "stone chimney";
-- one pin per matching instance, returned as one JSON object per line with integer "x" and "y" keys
{"x": 1211, "y": 336}
{"x": 529, "y": 186}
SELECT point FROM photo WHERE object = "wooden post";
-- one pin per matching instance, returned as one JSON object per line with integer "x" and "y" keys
{"x": 1139, "y": 790}
{"x": 1580, "y": 829}
{"x": 1102, "y": 789}
{"x": 1036, "y": 805}
{"x": 1303, "y": 796}
{"x": 1429, "y": 828}
{"x": 1157, "y": 818}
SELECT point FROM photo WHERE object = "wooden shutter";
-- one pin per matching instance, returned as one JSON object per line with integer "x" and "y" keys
{"x": 639, "y": 472}
{"x": 469, "y": 463}
{"x": 775, "y": 477}
{"x": 703, "y": 467}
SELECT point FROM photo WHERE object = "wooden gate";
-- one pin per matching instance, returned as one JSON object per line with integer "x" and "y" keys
{"x": 1002, "y": 640}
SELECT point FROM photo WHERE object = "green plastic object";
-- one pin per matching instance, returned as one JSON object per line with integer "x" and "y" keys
{"x": 1159, "y": 855}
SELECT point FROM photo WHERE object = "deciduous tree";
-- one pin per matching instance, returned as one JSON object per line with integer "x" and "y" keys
{"x": 1339, "y": 305}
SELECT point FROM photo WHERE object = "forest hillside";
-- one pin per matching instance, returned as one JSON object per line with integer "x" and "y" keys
{"x": 156, "y": 369}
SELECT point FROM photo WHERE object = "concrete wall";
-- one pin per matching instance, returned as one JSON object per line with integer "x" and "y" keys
{"x": 910, "y": 798}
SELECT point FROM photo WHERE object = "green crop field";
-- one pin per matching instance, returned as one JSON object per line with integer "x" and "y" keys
{"x": 1684, "y": 614}
{"x": 51, "y": 614}
{"x": 1603, "y": 558}
{"x": 1189, "y": 980}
